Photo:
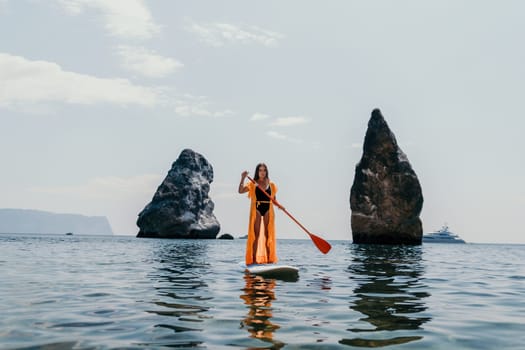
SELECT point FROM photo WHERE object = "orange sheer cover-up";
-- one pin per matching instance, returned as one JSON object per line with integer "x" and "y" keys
{"x": 266, "y": 239}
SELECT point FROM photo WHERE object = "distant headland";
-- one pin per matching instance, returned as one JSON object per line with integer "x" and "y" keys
{"x": 42, "y": 222}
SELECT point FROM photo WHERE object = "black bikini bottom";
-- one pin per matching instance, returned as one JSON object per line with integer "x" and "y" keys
{"x": 262, "y": 207}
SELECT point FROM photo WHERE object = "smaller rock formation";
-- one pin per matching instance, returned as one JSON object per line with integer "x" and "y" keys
{"x": 386, "y": 197}
{"x": 181, "y": 207}
{"x": 225, "y": 236}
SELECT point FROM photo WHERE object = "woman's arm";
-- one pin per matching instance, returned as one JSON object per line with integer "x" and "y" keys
{"x": 242, "y": 188}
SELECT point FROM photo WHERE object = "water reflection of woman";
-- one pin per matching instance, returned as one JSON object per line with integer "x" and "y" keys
{"x": 258, "y": 295}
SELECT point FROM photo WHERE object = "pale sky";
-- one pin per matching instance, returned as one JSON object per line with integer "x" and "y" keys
{"x": 99, "y": 97}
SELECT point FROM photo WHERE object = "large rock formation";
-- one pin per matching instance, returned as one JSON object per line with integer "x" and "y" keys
{"x": 38, "y": 221}
{"x": 386, "y": 197}
{"x": 181, "y": 207}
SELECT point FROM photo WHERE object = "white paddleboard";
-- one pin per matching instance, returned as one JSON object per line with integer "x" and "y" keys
{"x": 272, "y": 270}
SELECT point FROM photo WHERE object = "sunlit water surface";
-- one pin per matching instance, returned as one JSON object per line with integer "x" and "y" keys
{"x": 92, "y": 292}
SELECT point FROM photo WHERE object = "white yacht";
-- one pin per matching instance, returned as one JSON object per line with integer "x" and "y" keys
{"x": 442, "y": 236}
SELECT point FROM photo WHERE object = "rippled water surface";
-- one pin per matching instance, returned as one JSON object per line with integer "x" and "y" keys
{"x": 88, "y": 292}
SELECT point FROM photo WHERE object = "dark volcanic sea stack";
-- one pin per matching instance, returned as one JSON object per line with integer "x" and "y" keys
{"x": 181, "y": 207}
{"x": 386, "y": 197}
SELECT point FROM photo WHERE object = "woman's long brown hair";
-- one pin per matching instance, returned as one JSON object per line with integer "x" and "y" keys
{"x": 256, "y": 175}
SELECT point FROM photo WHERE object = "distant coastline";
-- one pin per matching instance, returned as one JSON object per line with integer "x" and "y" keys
{"x": 30, "y": 221}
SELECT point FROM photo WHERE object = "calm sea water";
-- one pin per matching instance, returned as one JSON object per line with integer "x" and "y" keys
{"x": 88, "y": 292}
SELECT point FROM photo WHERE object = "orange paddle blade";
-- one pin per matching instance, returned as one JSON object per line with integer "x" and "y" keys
{"x": 320, "y": 243}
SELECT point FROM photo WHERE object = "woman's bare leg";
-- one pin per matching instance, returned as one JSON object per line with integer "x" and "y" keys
{"x": 256, "y": 230}
{"x": 266, "y": 219}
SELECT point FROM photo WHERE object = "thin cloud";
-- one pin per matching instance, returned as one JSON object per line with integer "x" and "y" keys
{"x": 224, "y": 190}
{"x": 259, "y": 116}
{"x": 289, "y": 121}
{"x": 281, "y": 136}
{"x": 24, "y": 81}
{"x": 276, "y": 135}
{"x": 198, "y": 106}
{"x": 129, "y": 19}
{"x": 108, "y": 187}
{"x": 280, "y": 122}
{"x": 222, "y": 34}
{"x": 146, "y": 62}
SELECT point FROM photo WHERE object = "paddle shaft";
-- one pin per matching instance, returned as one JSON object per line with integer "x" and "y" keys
{"x": 323, "y": 246}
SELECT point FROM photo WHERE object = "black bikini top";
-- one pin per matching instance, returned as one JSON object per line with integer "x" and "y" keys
{"x": 259, "y": 194}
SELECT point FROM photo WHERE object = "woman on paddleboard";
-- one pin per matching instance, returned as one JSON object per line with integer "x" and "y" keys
{"x": 260, "y": 246}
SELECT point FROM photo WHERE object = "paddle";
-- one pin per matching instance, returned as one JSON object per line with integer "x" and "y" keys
{"x": 320, "y": 243}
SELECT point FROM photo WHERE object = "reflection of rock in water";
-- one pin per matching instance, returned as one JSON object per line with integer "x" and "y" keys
{"x": 390, "y": 292}
{"x": 181, "y": 292}
{"x": 258, "y": 295}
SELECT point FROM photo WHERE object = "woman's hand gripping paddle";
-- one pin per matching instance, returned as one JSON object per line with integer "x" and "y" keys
{"x": 320, "y": 243}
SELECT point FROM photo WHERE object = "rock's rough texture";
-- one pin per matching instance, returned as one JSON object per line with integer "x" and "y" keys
{"x": 181, "y": 207}
{"x": 386, "y": 197}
